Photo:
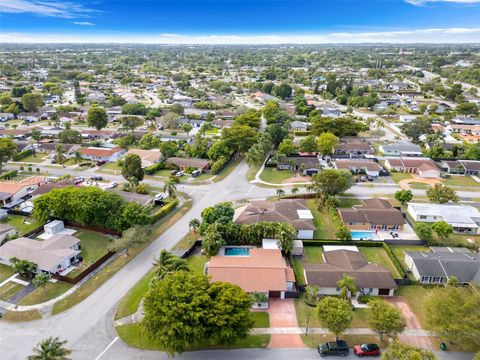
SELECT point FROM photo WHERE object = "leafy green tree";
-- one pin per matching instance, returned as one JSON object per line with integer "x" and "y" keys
{"x": 399, "y": 351}
{"x": 285, "y": 235}
{"x": 441, "y": 194}
{"x": 212, "y": 240}
{"x": 309, "y": 144}
{"x": 340, "y": 127}
{"x": 417, "y": 127}
{"x": 131, "y": 122}
{"x": 347, "y": 287}
{"x": 326, "y": 143}
{"x": 134, "y": 109}
{"x": 32, "y": 101}
{"x": 194, "y": 224}
{"x": 343, "y": 233}
{"x": 170, "y": 187}
{"x": 50, "y": 349}
{"x": 41, "y": 280}
{"x": 183, "y": 311}
{"x": 423, "y": 231}
{"x": 287, "y": 147}
{"x": 177, "y": 109}
{"x": 132, "y": 167}
{"x": 97, "y": 117}
{"x": 187, "y": 128}
{"x": 167, "y": 263}
{"x": 217, "y": 150}
{"x": 385, "y": 319}
{"x": 7, "y": 150}
{"x": 283, "y": 91}
{"x": 334, "y": 314}
{"x": 134, "y": 238}
{"x": 250, "y": 118}
{"x": 24, "y": 268}
{"x": 404, "y": 196}
{"x": 442, "y": 229}
{"x": 168, "y": 149}
{"x": 454, "y": 315}
{"x": 277, "y": 133}
{"x": 240, "y": 137}
{"x": 330, "y": 183}
{"x": 149, "y": 141}
{"x": 70, "y": 137}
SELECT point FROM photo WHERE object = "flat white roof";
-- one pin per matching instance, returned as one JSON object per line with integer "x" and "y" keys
{"x": 339, "y": 247}
{"x": 305, "y": 214}
{"x": 456, "y": 215}
{"x": 53, "y": 223}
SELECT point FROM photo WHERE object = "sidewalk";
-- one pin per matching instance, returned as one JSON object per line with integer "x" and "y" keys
{"x": 322, "y": 331}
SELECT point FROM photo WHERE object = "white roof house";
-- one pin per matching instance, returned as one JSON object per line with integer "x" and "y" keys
{"x": 463, "y": 218}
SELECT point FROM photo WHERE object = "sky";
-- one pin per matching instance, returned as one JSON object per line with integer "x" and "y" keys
{"x": 240, "y": 22}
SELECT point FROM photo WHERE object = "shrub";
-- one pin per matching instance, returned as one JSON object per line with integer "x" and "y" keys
{"x": 364, "y": 299}
{"x": 219, "y": 164}
{"x": 9, "y": 175}
{"x": 302, "y": 133}
{"x": 143, "y": 189}
{"x": 22, "y": 154}
{"x": 164, "y": 210}
{"x": 152, "y": 169}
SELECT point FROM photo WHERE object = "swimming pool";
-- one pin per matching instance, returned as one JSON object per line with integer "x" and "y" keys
{"x": 365, "y": 235}
{"x": 237, "y": 251}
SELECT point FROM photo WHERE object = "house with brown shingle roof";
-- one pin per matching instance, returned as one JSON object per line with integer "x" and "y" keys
{"x": 101, "y": 154}
{"x": 148, "y": 157}
{"x": 422, "y": 167}
{"x": 182, "y": 163}
{"x": 373, "y": 214}
{"x": 370, "y": 278}
{"x": 262, "y": 270}
{"x": 292, "y": 211}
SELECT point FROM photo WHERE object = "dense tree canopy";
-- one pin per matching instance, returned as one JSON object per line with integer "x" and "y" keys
{"x": 7, "y": 150}
{"x": 97, "y": 117}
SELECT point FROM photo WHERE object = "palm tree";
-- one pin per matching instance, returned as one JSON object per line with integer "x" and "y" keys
{"x": 167, "y": 263}
{"x": 59, "y": 151}
{"x": 170, "y": 188}
{"x": 280, "y": 192}
{"x": 194, "y": 224}
{"x": 347, "y": 287}
{"x": 294, "y": 190}
{"x": 50, "y": 349}
{"x": 78, "y": 157}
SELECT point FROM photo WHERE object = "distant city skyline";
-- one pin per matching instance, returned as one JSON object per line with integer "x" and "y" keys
{"x": 240, "y": 22}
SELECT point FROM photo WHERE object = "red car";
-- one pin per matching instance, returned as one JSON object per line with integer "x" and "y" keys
{"x": 366, "y": 350}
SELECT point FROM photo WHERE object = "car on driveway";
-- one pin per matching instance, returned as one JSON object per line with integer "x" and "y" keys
{"x": 366, "y": 350}
{"x": 337, "y": 348}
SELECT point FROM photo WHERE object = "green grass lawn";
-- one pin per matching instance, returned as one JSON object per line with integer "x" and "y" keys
{"x": 134, "y": 335}
{"x": 41, "y": 295}
{"x": 38, "y": 158}
{"x": 5, "y": 272}
{"x": 203, "y": 177}
{"x": 345, "y": 202}
{"x": 212, "y": 131}
{"x": 163, "y": 173}
{"x": 187, "y": 241}
{"x": 22, "y": 223}
{"x": 415, "y": 296}
{"x": 130, "y": 302}
{"x": 313, "y": 254}
{"x": 9, "y": 289}
{"x": 197, "y": 262}
{"x": 274, "y": 176}
{"x": 19, "y": 316}
{"x": 113, "y": 166}
{"x": 464, "y": 181}
{"x": 323, "y": 222}
{"x": 418, "y": 185}
{"x": 261, "y": 319}
{"x": 378, "y": 256}
{"x": 298, "y": 270}
{"x": 397, "y": 176}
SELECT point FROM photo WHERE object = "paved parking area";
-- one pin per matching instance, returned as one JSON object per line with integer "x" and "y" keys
{"x": 282, "y": 314}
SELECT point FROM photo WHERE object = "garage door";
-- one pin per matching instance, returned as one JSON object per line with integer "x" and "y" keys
{"x": 384, "y": 292}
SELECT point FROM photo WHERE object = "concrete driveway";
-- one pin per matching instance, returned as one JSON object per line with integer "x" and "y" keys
{"x": 283, "y": 315}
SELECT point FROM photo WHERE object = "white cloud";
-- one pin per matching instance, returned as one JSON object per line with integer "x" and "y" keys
{"x": 447, "y": 35}
{"x": 83, "y": 23}
{"x": 52, "y": 8}
{"x": 423, "y": 2}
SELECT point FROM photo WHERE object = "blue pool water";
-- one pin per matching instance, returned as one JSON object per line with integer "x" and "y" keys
{"x": 237, "y": 251}
{"x": 365, "y": 235}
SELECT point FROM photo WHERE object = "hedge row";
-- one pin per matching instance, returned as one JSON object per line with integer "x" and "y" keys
{"x": 302, "y": 132}
{"x": 394, "y": 260}
{"x": 152, "y": 169}
{"x": 322, "y": 242}
{"x": 22, "y": 154}
{"x": 164, "y": 210}
{"x": 9, "y": 175}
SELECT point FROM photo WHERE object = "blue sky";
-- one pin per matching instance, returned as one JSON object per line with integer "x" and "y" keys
{"x": 247, "y": 21}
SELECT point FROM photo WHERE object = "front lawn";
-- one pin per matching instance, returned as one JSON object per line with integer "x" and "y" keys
{"x": 378, "y": 256}
{"x": 30, "y": 159}
{"x": 415, "y": 296}
{"x": 187, "y": 241}
{"x": 261, "y": 319}
{"x": 463, "y": 181}
{"x": 398, "y": 176}
{"x": 22, "y": 223}
{"x": 5, "y": 272}
{"x": 9, "y": 289}
{"x": 323, "y": 222}
{"x": 112, "y": 166}
{"x": 41, "y": 295}
{"x": 130, "y": 302}
{"x": 18, "y": 316}
{"x": 134, "y": 335}
{"x": 272, "y": 175}
{"x": 197, "y": 263}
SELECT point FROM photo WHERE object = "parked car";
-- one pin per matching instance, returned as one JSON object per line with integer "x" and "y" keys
{"x": 369, "y": 178}
{"x": 196, "y": 173}
{"x": 174, "y": 172}
{"x": 100, "y": 163}
{"x": 366, "y": 350}
{"x": 363, "y": 178}
{"x": 78, "y": 179}
{"x": 339, "y": 348}
{"x": 96, "y": 178}
{"x": 113, "y": 184}
{"x": 179, "y": 174}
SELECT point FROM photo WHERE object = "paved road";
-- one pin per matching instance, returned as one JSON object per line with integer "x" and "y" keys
{"x": 88, "y": 326}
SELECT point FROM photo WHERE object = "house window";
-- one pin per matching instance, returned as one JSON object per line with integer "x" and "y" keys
{"x": 423, "y": 217}
{"x": 425, "y": 279}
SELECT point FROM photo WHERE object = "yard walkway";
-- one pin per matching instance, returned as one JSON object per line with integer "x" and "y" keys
{"x": 283, "y": 323}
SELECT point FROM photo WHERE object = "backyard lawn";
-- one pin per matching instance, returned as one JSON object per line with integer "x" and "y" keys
{"x": 398, "y": 251}
{"x": 378, "y": 256}
{"x": 274, "y": 176}
{"x": 323, "y": 222}
{"x": 313, "y": 254}
{"x": 41, "y": 295}
{"x": 5, "y": 272}
{"x": 22, "y": 223}
{"x": 197, "y": 262}
{"x": 397, "y": 176}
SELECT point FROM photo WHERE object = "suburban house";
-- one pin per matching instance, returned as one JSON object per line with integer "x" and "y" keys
{"x": 12, "y": 191}
{"x": 292, "y": 211}
{"x": 148, "y": 157}
{"x": 101, "y": 154}
{"x": 370, "y": 279}
{"x": 262, "y": 270}
{"x": 222, "y": 124}
{"x": 309, "y": 165}
{"x": 401, "y": 148}
{"x": 183, "y": 163}
{"x": 354, "y": 149}
{"x": 372, "y": 214}
{"x": 438, "y": 266}
{"x": 6, "y": 231}
{"x": 422, "y": 167}
{"x": 356, "y": 166}
{"x": 96, "y": 134}
{"x": 466, "y": 167}
{"x": 299, "y": 125}
{"x": 53, "y": 255}
{"x": 465, "y": 219}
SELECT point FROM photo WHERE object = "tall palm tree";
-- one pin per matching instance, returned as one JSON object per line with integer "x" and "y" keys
{"x": 347, "y": 287}
{"x": 280, "y": 192}
{"x": 167, "y": 263}
{"x": 194, "y": 224}
{"x": 50, "y": 349}
{"x": 78, "y": 157}
{"x": 294, "y": 190}
{"x": 59, "y": 151}
{"x": 170, "y": 188}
